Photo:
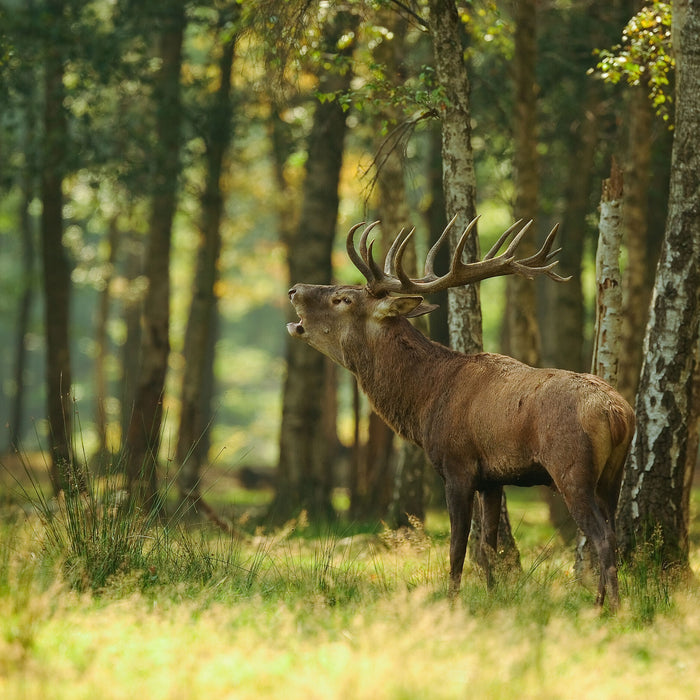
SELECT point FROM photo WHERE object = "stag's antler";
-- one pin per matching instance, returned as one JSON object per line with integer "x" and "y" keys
{"x": 393, "y": 278}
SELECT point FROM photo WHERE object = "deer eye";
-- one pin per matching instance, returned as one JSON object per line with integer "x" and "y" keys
{"x": 341, "y": 300}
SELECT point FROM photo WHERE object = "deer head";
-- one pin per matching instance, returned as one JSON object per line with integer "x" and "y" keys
{"x": 337, "y": 318}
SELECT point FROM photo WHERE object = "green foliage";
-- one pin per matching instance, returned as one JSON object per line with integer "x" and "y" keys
{"x": 92, "y": 533}
{"x": 644, "y": 57}
{"x": 343, "y": 613}
{"x": 647, "y": 582}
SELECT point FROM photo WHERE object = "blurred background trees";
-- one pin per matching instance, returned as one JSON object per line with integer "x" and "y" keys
{"x": 168, "y": 168}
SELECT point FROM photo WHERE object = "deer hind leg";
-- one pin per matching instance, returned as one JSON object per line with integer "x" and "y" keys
{"x": 594, "y": 525}
{"x": 608, "y": 488}
{"x": 490, "y": 499}
{"x": 590, "y": 506}
{"x": 460, "y": 497}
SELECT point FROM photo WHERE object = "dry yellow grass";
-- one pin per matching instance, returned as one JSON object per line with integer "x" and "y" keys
{"x": 403, "y": 647}
{"x": 346, "y": 619}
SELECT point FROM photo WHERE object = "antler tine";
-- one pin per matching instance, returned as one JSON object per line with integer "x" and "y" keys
{"x": 512, "y": 246}
{"x": 356, "y": 260}
{"x": 406, "y": 281}
{"x": 536, "y": 264}
{"x": 531, "y": 271}
{"x": 429, "y": 272}
{"x": 502, "y": 239}
{"x": 363, "y": 242}
{"x": 543, "y": 254}
{"x": 459, "y": 249}
{"x": 376, "y": 270}
{"x": 389, "y": 267}
{"x": 394, "y": 279}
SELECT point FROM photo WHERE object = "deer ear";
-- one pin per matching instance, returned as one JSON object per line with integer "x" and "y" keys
{"x": 403, "y": 306}
{"x": 421, "y": 310}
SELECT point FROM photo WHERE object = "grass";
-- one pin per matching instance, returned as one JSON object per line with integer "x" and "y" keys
{"x": 95, "y": 601}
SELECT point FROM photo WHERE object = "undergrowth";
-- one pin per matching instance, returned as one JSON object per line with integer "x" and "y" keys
{"x": 98, "y": 598}
{"x": 97, "y": 541}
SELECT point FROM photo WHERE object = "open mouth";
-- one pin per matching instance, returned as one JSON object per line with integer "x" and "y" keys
{"x": 296, "y": 328}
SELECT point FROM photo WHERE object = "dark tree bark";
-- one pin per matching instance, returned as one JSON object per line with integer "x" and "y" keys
{"x": 131, "y": 304}
{"x": 655, "y": 495}
{"x": 304, "y": 474}
{"x": 56, "y": 267}
{"x": 100, "y": 460}
{"x": 459, "y": 187}
{"x": 567, "y": 347}
{"x": 637, "y": 285}
{"x": 143, "y": 438}
{"x": 195, "y": 402}
{"x": 384, "y": 481}
{"x": 26, "y": 300}
{"x": 523, "y": 334}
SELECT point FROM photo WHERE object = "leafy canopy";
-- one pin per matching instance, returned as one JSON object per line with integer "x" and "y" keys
{"x": 643, "y": 57}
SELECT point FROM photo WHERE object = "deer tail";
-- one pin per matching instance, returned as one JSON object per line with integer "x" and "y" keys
{"x": 622, "y": 422}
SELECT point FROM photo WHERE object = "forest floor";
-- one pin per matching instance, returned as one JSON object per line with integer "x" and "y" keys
{"x": 97, "y": 602}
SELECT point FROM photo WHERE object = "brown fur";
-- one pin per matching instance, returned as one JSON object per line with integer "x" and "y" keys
{"x": 484, "y": 420}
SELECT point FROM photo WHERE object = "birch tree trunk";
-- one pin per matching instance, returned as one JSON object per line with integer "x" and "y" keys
{"x": 655, "y": 494}
{"x": 459, "y": 188}
{"x": 608, "y": 325}
{"x": 458, "y": 175}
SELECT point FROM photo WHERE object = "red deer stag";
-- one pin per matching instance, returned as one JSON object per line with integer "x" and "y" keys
{"x": 484, "y": 420}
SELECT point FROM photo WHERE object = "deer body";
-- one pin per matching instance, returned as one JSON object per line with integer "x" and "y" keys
{"x": 484, "y": 420}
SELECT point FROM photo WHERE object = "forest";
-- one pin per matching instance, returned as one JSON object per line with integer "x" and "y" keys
{"x": 169, "y": 168}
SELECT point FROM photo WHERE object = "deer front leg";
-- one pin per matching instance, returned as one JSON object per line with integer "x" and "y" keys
{"x": 491, "y": 515}
{"x": 460, "y": 496}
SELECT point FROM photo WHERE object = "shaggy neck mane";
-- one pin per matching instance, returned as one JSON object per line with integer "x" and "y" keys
{"x": 396, "y": 369}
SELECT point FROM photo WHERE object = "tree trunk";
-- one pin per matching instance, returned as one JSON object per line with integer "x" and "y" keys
{"x": 654, "y": 502}
{"x": 459, "y": 178}
{"x": 101, "y": 459}
{"x": 435, "y": 215}
{"x": 606, "y": 340}
{"x": 56, "y": 268}
{"x": 394, "y": 483}
{"x": 565, "y": 349}
{"x": 24, "y": 306}
{"x": 195, "y": 409}
{"x": 143, "y": 439}
{"x": 304, "y": 478}
{"x": 637, "y": 286}
{"x": 607, "y": 335}
{"x": 459, "y": 187}
{"x": 131, "y": 305}
{"x": 521, "y": 308}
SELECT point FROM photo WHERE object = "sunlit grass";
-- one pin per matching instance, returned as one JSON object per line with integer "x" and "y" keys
{"x": 337, "y": 612}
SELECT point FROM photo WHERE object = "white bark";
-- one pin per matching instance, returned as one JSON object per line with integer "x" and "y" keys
{"x": 459, "y": 178}
{"x": 607, "y": 266}
{"x": 655, "y": 489}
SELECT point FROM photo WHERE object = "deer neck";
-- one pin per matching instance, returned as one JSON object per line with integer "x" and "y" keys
{"x": 399, "y": 370}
